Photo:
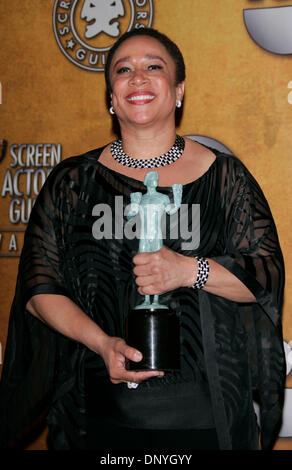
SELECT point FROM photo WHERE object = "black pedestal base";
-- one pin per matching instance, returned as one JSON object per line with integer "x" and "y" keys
{"x": 156, "y": 334}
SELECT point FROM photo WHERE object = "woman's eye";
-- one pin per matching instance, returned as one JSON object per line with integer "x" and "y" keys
{"x": 123, "y": 70}
{"x": 155, "y": 67}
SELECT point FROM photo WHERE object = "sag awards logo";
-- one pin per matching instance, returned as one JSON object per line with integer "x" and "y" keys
{"x": 85, "y": 30}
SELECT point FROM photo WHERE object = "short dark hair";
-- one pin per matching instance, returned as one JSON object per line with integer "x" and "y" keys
{"x": 169, "y": 45}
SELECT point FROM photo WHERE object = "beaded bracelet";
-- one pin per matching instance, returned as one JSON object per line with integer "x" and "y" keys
{"x": 203, "y": 273}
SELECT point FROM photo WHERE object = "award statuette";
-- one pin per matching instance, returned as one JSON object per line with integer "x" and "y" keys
{"x": 151, "y": 327}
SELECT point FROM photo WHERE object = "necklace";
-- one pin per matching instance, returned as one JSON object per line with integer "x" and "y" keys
{"x": 166, "y": 159}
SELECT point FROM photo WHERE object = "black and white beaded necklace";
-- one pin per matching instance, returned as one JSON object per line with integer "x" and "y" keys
{"x": 166, "y": 159}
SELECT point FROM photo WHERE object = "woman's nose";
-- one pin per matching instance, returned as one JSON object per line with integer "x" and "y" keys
{"x": 138, "y": 77}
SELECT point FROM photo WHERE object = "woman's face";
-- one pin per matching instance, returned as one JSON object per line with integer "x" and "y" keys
{"x": 142, "y": 75}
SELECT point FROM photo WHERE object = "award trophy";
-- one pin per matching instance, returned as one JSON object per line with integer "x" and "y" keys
{"x": 151, "y": 327}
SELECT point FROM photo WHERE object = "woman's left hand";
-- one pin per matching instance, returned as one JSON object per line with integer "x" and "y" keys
{"x": 163, "y": 271}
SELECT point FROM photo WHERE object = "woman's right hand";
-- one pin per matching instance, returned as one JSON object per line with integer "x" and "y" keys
{"x": 114, "y": 352}
{"x": 72, "y": 322}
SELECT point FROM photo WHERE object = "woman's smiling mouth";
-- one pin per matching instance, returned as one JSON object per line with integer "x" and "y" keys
{"x": 140, "y": 98}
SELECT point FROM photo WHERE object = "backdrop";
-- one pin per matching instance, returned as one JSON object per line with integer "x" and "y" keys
{"x": 238, "y": 58}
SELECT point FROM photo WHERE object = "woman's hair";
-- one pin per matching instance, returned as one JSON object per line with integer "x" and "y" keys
{"x": 169, "y": 45}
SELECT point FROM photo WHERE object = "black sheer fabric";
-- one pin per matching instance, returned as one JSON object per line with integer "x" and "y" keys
{"x": 230, "y": 348}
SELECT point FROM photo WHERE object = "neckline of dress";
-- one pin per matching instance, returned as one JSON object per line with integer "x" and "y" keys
{"x": 134, "y": 180}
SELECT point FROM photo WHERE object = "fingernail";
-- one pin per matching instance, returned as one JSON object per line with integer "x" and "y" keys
{"x": 137, "y": 356}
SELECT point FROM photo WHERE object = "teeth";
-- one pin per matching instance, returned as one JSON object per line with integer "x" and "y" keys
{"x": 141, "y": 97}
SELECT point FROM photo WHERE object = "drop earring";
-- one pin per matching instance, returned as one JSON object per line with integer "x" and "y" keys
{"x": 111, "y": 110}
{"x": 178, "y": 104}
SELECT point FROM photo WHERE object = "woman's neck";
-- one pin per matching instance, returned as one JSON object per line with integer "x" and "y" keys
{"x": 148, "y": 143}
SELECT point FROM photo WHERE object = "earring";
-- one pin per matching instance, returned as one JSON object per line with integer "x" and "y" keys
{"x": 111, "y": 110}
{"x": 178, "y": 104}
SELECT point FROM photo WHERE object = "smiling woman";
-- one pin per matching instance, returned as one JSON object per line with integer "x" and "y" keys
{"x": 142, "y": 73}
{"x": 169, "y": 46}
{"x": 66, "y": 351}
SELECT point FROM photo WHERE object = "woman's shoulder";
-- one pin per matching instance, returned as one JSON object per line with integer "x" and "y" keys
{"x": 69, "y": 173}
{"x": 227, "y": 160}
{"x": 235, "y": 173}
{"x": 207, "y": 152}
{"x": 76, "y": 163}
{"x": 80, "y": 160}
{"x": 231, "y": 169}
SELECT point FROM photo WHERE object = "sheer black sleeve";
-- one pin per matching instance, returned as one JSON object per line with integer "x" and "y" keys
{"x": 31, "y": 356}
{"x": 252, "y": 253}
{"x": 41, "y": 258}
{"x": 252, "y": 247}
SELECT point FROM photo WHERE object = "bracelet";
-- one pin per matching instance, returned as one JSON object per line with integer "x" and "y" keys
{"x": 203, "y": 273}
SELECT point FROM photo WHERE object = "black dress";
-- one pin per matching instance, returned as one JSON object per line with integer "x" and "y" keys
{"x": 229, "y": 350}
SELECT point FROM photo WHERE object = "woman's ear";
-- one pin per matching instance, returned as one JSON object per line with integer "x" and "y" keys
{"x": 180, "y": 90}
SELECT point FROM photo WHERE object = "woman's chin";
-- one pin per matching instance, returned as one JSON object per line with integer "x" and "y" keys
{"x": 141, "y": 118}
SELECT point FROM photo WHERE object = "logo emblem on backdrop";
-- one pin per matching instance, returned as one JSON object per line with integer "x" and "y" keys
{"x": 270, "y": 28}
{"x": 85, "y": 30}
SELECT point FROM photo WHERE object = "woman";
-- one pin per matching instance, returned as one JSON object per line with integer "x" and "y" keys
{"x": 66, "y": 349}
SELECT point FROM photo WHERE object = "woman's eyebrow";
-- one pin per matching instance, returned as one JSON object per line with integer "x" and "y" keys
{"x": 155, "y": 57}
{"x": 124, "y": 59}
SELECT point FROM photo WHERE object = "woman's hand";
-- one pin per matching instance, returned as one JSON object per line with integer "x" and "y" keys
{"x": 114, "y": 352}
{"x": 72, "y": 322}
{"x": 163, "y": 271}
